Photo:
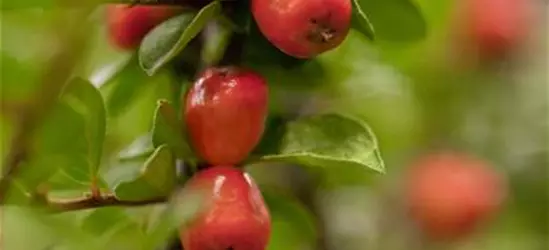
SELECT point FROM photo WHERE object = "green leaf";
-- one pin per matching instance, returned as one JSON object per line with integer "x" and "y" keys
{"x": 361, "y": 22}
{"x": 157, "y": 178}
{"x": 293, "y": 226}
{"x": 168, "y": 39}
{"x": 394, "y": 20}
{"x": 167, "y": 129}
{"x": 71, "y": 138}
{"x": 216, "y": 39}
{"x": 124, "y": 87}
{"x": 178, "y": 213}
{"x": 87, "y": 101}
{"x": 330, "y": 141}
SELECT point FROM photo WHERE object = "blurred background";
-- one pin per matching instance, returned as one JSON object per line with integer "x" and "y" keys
{"x": 419, "y": 98}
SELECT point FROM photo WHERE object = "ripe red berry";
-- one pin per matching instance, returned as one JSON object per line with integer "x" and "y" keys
{"x": 451, "y": 194}
{"x": 225, "y": 114}
{"x": 236, "y": 216}
{"x": 303, "y": 28}
{"x": 128, "y": 25}
{"x": 492, "y": 29}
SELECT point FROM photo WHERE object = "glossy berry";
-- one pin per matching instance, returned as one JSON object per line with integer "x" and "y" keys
{"x": 492, "y": 29}
{"x": 236, "y": 216}
{"x": 225, "y": 114}
{"x": 451, "y": 194}
{"x": 303, "y": 28}
{"x": 128, "y": 25}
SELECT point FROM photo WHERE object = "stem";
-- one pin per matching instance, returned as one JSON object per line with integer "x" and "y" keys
{"x": 104, "y": 200}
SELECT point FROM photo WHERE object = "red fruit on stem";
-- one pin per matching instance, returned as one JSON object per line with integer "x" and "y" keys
{"x": 236, "y": 216}
{"x": 303, "y": 28}
{"x": 451, "y": 194}
{"x": 492, "y": 29}
{"x": 128, "y": 25}
{"x": 225, "y": 114}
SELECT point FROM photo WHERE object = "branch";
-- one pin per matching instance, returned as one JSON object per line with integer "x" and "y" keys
{"x": 88, "y": 202}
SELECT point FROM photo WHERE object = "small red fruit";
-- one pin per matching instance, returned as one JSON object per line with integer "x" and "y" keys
{"x": 451, "y": 194}
{"x": 225, "y": 114}
{"x": 303, "y": 28}
{"x": 128, "y": 25}
{"x": 492, "y": 29}
{"x": 236, "y": 217}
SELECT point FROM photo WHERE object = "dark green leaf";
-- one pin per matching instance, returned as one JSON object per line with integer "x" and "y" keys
{"x": 157, "y": 178}
{"x": 393, "y": 20}
{"x": 361, "y": 22}
{"x": 167, "y": 129}
{"x": 165, "y": 41}
{"x": 330, "y": 141}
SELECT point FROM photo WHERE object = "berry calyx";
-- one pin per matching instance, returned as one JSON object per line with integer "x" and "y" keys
{"x": 235, "y": 216}
{"x": 303, "y": 28}
{"x": 225, "y": 114}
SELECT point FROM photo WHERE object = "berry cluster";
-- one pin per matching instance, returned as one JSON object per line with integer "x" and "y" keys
{"x": 225, "y": 114}
{"x": 301, "y": 30}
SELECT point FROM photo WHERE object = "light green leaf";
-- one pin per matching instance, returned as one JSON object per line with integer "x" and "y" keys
{"x": 329, "y": 141}
{"x": 168, "y": 39}
{"x": 169, "y": 218}
{"x": 394, "y": 20}
{"x": 293, "y": 226}
{"x": 157, "y": 178}
{"x": 361, "y": 22}
{"x": 167, "y": 129}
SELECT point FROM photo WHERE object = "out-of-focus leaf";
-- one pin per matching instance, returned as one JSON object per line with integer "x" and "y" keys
{"x": 71, "y": 138}
{"x": 125, "y": 86}
{"x": 180, "y": 211}
{"x": 361, "y": 22}
{"x": 167, "y": 129}
{"x": 293, "y": 226}
{"x": 142, "y": 147}
{"x": 103, "y": 61}
{"x": 216, "y": 39}
{"x": 165, "y": 41}
{"x": 156, "y": 179}
{"x": 394, "y": 20}
{"x": 329, "y": 141}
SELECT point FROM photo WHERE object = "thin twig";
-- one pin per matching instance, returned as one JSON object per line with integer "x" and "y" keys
{"x": 105, "y": 200}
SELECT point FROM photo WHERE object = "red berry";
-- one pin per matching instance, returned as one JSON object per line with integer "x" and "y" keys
{"x": 303, "y": 28}
{"x": 493, "y": 28}
{"x": 451, "y": 194}
{"x": 225, "y": 114}
{"x": 128, "y": 25}
{"x": 236, "y": 217}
